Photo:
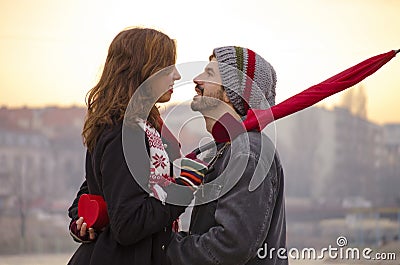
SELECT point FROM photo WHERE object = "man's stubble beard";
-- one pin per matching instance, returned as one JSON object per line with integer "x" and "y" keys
{"x": 207, "y": 102}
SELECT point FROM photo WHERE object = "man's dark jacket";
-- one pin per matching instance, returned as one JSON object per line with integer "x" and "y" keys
{"x": 246, "y": 216}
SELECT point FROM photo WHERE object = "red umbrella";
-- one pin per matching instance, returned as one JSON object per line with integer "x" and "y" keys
{"x": 259, "y": 119}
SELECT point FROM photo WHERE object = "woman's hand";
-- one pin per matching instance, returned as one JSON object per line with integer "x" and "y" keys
{"x": 82, "y": 227}
{"x": 80, "y": 232}
{"x": 192, "y": 173}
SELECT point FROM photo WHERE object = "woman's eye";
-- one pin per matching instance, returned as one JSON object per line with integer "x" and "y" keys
{"x": 166, "y": 71}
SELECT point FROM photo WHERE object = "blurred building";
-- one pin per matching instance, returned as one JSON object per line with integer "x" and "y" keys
{"x": 41, "y": 156}
{"x": 391, "y": 167}
{"x": 26, "y": 168}
{"x": 330, "y": 155}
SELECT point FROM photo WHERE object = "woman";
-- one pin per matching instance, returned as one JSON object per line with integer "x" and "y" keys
{"x": 140, "y": 223}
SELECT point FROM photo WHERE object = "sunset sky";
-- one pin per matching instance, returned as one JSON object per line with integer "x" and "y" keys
{"x": 51, "y": 51}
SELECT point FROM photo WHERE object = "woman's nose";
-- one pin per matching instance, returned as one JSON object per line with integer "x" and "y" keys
{"x": 177, "y": 75}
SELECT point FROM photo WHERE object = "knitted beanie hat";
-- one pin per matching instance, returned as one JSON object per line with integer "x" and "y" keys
{"x": 247, "y": 78}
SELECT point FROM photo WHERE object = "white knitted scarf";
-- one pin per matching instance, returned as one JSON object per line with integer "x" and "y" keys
{"x": 159, "y": 162}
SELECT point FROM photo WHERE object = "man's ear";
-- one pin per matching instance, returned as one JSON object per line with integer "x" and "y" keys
{"x": 225, "y": 97}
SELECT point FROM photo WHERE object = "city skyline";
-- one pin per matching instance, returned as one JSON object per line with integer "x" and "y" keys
{"x": 352, "y": 164}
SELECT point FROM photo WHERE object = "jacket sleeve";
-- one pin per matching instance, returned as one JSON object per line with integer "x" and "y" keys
{"x": 73, "y": 209}
{"x": 84, "y": 189}
{"x": 133, "y": 214}
{"x": 243, "y": 218}
{"x": 73, "y": 214}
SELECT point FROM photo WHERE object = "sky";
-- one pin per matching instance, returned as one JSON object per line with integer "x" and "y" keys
{"x": 52, "y": 51}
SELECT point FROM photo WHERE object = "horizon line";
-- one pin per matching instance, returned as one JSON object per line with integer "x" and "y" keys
{"x": 175, "y": 103}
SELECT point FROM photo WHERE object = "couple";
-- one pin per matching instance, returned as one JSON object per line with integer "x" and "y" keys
{"x": 231, "y": 221}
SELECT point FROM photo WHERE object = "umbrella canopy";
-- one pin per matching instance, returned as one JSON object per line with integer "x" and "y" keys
{"x": 226, "y": 128}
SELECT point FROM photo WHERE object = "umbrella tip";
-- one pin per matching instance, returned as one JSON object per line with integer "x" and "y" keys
{"x": 397, "y": 51}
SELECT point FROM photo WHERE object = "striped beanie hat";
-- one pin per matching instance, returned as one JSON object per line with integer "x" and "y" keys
{"x": 248, "y": 79}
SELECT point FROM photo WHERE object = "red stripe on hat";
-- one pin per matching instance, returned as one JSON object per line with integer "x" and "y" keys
{"x": 251, "y": 67}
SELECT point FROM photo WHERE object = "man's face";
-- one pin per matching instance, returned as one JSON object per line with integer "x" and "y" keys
{"x": 208, "y": 88}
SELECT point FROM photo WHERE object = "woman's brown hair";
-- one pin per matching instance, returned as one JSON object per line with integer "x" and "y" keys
{"x": 133, "y": 56}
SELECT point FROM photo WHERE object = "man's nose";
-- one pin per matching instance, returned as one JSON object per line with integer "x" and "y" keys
{"x": 198, "y": 80}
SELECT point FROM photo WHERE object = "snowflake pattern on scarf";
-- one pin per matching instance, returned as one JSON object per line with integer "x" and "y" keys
{"x": 159, "y": 161}
{"x": 153, "y": 137}
{"x": 159, "y": 164}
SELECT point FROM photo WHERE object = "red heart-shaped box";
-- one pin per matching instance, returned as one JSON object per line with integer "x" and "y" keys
{"x": 93, "y": 209}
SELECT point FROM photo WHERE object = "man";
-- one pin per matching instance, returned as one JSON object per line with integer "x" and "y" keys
{"x": 235, "y": 221}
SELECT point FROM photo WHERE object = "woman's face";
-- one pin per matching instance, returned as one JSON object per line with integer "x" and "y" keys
{"x": 163, "y": 83}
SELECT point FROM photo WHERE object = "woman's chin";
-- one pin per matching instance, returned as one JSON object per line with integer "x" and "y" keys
{"x": 164, "y": 98}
